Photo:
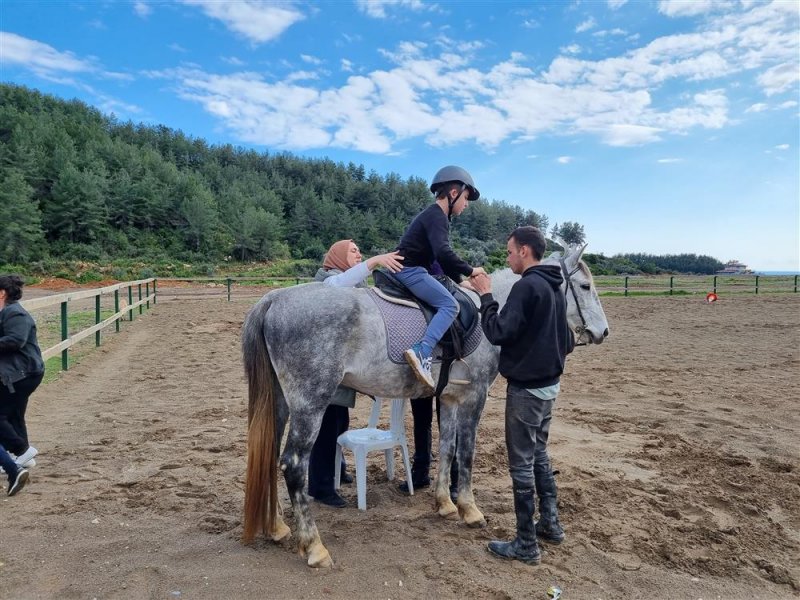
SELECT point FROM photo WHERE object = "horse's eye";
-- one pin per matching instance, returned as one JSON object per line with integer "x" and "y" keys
{"x": 586, "y": 286}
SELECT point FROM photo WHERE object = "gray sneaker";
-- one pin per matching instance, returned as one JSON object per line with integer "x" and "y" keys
{"x": 19, "y": 482}
{"x": 421, "y": 364}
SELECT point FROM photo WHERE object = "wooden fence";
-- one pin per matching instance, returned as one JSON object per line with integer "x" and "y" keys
{"x": 638, "y": 285}
{"x": 67, "y": 340}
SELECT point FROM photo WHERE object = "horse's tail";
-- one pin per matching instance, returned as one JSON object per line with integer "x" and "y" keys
{"x": 261, "y": 488}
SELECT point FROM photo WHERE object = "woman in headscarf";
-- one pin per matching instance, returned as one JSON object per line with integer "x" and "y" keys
{"x": 341, "y": 267}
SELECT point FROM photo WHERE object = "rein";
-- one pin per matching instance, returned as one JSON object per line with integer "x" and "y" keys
{"x": 579, "y": 329}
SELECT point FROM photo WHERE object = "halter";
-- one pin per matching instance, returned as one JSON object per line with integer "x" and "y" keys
{"x": 579, "y": 329}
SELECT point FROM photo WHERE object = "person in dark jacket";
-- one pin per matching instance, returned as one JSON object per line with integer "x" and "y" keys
{"x": 425, "y": 241}
{"x": 534, "y": 340}
{"x": 21, "y": 369}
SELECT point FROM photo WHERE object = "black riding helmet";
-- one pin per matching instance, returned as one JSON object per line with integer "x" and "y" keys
{"x": 455, "y": 174}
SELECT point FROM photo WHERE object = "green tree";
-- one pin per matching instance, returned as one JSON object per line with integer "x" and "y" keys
{"x": 21, "y": 235}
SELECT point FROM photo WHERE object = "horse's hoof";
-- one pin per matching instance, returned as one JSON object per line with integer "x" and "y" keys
{"x": 319, "y": 558}
{"x": 281, "y": 532}
{"x": 447, "y": 509}
{"x": 472, "y": 516}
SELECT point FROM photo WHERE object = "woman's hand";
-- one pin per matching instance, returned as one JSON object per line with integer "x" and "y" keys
{"x": 390, "y": 260}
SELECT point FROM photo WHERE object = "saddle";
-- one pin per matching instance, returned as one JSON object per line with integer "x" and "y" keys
{"x": 452, "y": 344}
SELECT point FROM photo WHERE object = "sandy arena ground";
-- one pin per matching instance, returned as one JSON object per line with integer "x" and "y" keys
{"x": 676, "y": 442}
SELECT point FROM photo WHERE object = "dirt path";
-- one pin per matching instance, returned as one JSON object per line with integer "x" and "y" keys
{"x": 675, "y": 441}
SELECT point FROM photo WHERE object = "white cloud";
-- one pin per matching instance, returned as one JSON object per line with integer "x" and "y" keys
{"x": 779, "y": 78}
{"x": 312, "y": 60}
{"x": 142, "y": 9}
{"x": 620, "y": 100}
{"x": 532, "y": 156}
{"x": 232, "y": 60}
{"x": 571, "y": 49}
{"x": 665, "y": 161}
{"x": 377, "y": 8}
{"x": 97, "y": 24}
{"x": 689, "y": 8}
{"x": 564, "y": 160}
{"x": 782, "y": 147}
{"x": 607, "y": 32}
{"x": 257, "y": 20}
{"x": 788, "y": 104}
{"x": 585, "y": 25}
{"x": 41, "y": 58}
{"x": 177, "y": 48}
{"x": 531, "y": 24}
{"x": 629, "y": 135}
{"x": 756, "y": 108}
{"x": 615, "y": 4}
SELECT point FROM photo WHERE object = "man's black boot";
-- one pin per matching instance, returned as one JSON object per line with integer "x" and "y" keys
{"x": 548, "y": 527}
{"x": 524, "y": 547}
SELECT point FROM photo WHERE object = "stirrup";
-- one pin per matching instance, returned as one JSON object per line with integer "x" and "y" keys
{"x": 460, "y": 373}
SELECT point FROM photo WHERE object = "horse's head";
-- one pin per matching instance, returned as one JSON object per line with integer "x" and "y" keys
{"x": 584, "y": 312}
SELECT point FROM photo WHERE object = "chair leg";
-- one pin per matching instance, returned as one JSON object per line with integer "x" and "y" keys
{"x": 361, "y": 477}
{"x": 407, "y": 463}
{"x": 337, "y": 474}
{"x": 389, "y": 453}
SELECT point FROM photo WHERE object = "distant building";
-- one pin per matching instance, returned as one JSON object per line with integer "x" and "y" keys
{"x": 734, "y": 267}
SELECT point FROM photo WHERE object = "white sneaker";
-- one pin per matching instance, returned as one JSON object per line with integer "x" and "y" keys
{"x": 23, "y": 458}
{"x": 29, "y": 464}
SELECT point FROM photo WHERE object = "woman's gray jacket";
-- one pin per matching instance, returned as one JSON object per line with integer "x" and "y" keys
{"x": 20, "y": 356}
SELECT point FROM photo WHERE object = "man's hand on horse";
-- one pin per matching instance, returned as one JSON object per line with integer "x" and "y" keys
{"x": 477, "y": 271}
{"x": 481, "y": 283}
{"x": 390, "y": 260}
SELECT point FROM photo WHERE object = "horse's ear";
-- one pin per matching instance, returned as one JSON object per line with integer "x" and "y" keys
{"x": 559, "y": 241}
{"x": 574, "y": 253}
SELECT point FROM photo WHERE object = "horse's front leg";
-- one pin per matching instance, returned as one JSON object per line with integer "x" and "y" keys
{"x": 294, "y": 464}
{"x": 447, "y": 450}
{"x": 467, "y": 434}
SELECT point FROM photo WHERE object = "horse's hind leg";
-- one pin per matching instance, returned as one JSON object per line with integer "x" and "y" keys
{"x": 281, "y": 530}
{"x": 294, "y": 463}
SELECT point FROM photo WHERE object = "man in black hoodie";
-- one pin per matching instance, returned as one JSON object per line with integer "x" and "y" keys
{"x": 534, "y": 340}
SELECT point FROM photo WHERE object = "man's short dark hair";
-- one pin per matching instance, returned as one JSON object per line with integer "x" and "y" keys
{"x": 531, "y": 237}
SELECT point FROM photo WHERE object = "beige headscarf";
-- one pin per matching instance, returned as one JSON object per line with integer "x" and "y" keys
{"x": 336, "y": 258}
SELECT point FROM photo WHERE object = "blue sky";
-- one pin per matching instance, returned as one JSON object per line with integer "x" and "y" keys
{"x": 662, "y": 126}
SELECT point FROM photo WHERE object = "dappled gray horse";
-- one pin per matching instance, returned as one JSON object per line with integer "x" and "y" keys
{"x": 300, "y": 343}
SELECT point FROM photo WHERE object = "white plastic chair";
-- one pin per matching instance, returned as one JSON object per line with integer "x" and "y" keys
{"x": 367, "y": 439}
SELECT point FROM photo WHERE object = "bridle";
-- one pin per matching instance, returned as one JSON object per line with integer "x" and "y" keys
{"x": 570, "y": 287}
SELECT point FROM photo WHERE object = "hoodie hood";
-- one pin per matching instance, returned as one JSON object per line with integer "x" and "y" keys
{"x": 550, "y": 273}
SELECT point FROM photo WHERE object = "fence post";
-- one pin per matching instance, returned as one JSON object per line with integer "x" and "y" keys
{"x": 141, "y": 308}
{"x": 756, "y": 284}
{"x": 64, "y": 336}
{"x": 670, "y": 284}
{"x": 116, "y": 309}
{"x": 147, "y": 293}
{"x": 97, "y": 319}
{"x": 130, "y": 303}
{"x": 715, "y": 284}
{"x": 228, "y": 281}
{"x": 297, "y": 279}
{"x": 626, "y": 285}
{"x": 155, "y": 291}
